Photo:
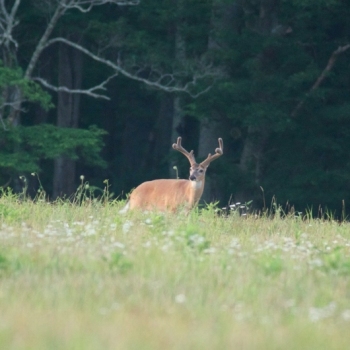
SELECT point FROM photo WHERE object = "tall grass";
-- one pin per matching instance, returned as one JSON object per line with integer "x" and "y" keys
{"x": 82, "y": 276}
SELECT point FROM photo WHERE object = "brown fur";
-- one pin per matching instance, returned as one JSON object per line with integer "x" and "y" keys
{"x": 171, "y": 195}
{"x": 165, "y": 195}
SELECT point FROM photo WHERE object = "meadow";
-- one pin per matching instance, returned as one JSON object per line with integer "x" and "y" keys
{"x": 83, "y": 276}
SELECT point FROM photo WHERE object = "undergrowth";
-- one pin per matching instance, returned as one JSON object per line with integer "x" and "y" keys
{"x": 77, "y": 274}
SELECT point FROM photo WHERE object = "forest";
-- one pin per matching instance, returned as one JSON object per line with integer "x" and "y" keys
{"x": 97, "y": 91}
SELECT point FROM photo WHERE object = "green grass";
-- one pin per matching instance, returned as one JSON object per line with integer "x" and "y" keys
{"x": 85, "y": 277}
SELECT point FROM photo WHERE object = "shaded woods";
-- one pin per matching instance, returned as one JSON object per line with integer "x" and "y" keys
{"x": 103, "y": 91}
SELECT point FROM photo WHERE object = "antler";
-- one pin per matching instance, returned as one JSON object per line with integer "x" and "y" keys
{"x": 218, "y": 153}
{"x": 189, "y": 155}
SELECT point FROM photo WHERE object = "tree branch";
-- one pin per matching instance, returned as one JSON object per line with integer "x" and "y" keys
{"x": 323, "y": 75}
{"x": 62, "y": 7}
{"x": 89, "y": 92}
{"x": 166, "y": 82}
{"x": 7, "y": 23}
{"x": 7, "y": 183}
{"x": 14, "y": 106}
{"x": 41, "y": 45}
{"x": 86, "y": 5}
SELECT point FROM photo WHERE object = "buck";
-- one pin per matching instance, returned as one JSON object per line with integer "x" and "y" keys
{"x": 169, "y": 195}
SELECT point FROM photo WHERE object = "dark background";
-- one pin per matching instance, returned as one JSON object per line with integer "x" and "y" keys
{"x": 279, "y": 97}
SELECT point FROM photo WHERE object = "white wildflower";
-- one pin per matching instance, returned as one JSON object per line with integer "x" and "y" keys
{"x": 316, "y": 262}
{"x": 148, "y": 221}
{"x": 103, "y": 311}
{"x": 318, "y": 314}
{"x": 119, "y": 245}
{"x": 346, "y": 315}
{"x": 211, "y": 250}
{"x": 126, "y": 226}
{"x": 180, "y": 298}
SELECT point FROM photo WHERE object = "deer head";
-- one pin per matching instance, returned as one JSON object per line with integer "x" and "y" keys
{"x": 197, "y": 171}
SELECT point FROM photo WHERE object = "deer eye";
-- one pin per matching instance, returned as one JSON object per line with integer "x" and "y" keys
{"x": 201, "y": 170}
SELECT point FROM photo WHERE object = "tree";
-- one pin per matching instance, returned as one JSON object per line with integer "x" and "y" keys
{"x": 279, "y": 98}
{"x": 17, "y": 92}
{"x": 285, "y": 63}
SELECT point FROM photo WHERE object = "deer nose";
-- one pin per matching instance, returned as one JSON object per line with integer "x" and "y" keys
{"x": 192, "y": 178}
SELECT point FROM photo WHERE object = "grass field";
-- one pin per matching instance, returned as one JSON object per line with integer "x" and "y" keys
{"x": 86, "y": 277}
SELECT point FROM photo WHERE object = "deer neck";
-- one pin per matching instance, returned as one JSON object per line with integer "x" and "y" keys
{"x": 197, "y": 188}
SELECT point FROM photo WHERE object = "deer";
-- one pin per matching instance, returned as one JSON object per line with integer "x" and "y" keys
{"x": 171, "y": 195}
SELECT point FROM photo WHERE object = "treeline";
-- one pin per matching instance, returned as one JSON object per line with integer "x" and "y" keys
{"x": 102, "y": 88}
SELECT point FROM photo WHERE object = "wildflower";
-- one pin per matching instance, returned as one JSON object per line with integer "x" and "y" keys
{"x": 316, "y": 262}
{"x": 318, "y": 314}
{"x": 197, "y": 239}
{"x": 180, "y": 298}
{"x": 165, "y": 247}
{"x": 168, "y": 233}
{"x": 211, "y": 250}
{"x": 115, "y": 306}
{"x": 346, "y": 315}
{"x": 289, "y": 303}
{"x": 126, "y": 226}
{"x": 103, "y": 311}
{"x": 119, "y": 245}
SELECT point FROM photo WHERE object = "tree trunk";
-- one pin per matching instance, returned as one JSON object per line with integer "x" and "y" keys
{"x": 177, "y": 121}
{"x": 180, "y": 55}
{"x": 209, "y": 130}
{"x": 252, "y": 155}
{"x": 208, "y": 140}
{"x": 162, "y": 136}
{"x": 70, "y": 75}
{"x": 251, "y": 160}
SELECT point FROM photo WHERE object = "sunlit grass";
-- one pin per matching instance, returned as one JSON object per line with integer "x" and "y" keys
{"x": 85, "y": 277}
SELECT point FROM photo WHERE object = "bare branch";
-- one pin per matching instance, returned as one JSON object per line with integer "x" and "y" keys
{"x": 86, "y": 5}
{"x": 323, "y": 75}
{"x": 7, "y": 23}
{"x": 41, "y": 45}
{"x": 89, "y": 92}
{"x": 62, "y": 7}
{"x": 14, "y": 106}
{"x": 7, "y": 183}
{"x": 166, "y": 82}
